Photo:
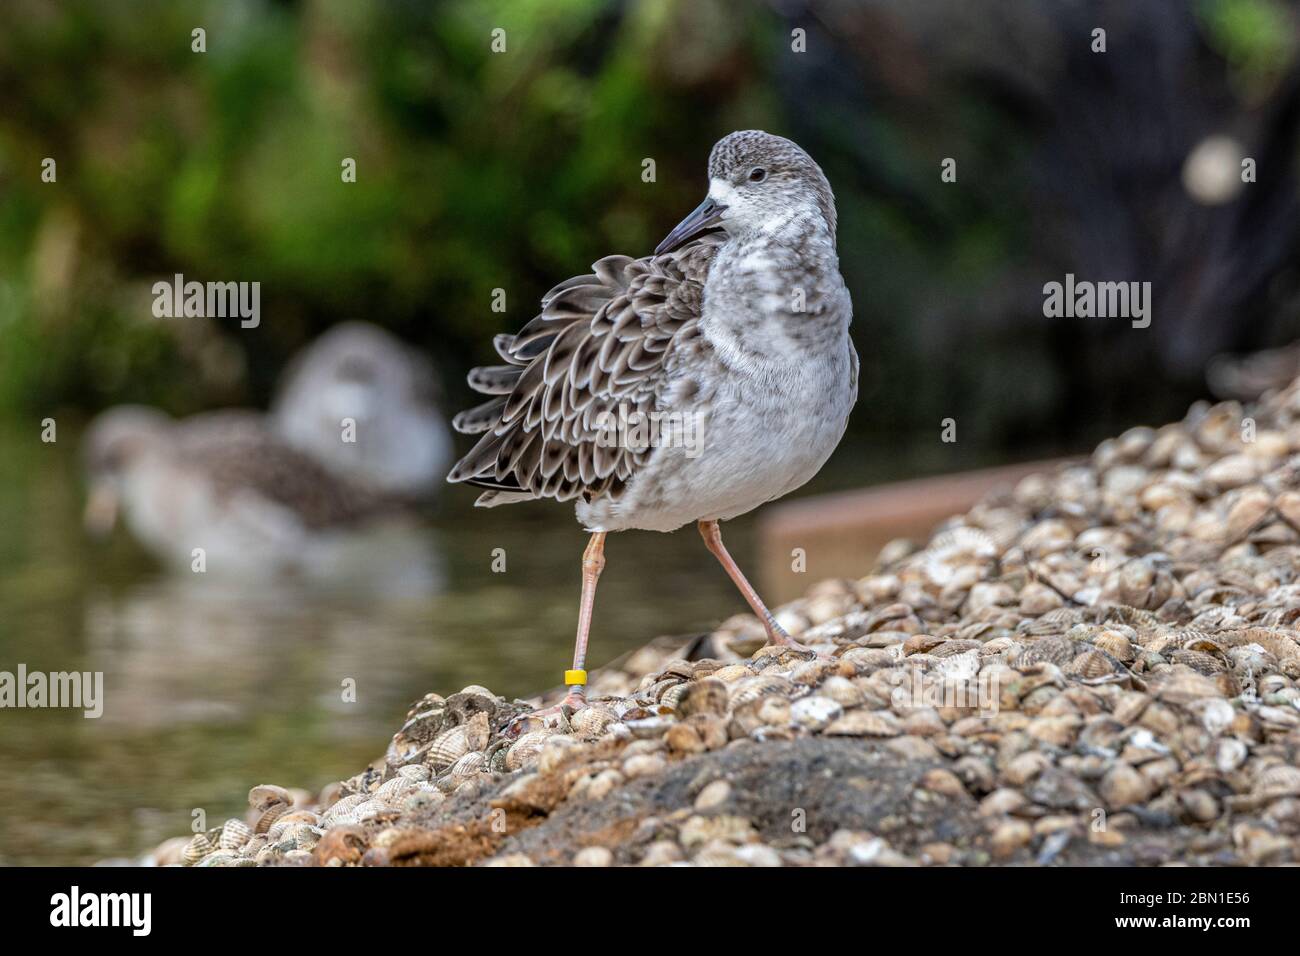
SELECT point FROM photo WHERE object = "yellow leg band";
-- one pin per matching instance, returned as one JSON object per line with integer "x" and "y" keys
{"x": 575, "y": 678}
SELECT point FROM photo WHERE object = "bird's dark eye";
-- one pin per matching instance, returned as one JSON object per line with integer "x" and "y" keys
{"x": 757, "y": 174}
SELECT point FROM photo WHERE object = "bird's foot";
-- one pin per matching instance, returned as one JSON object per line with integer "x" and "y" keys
{"x": 554, "y": 717}
{"x": 778, "y": 635}
{"x": 803, "y": 650}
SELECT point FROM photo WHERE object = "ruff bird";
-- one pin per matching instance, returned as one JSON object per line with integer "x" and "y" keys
{"x": 222, "y": 482}
{"x": 690, "y": 385}
{"x": 366, "y": 405}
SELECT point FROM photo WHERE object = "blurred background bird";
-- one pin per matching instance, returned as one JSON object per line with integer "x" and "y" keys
{"x": 355, "y": 436}
{"x": 366, "y": 406}
{"x": 218, "y": 492}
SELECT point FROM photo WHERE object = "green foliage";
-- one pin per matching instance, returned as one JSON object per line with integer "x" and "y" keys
{"x": 1256, "y": 37}
{"x": 475, "y": 171}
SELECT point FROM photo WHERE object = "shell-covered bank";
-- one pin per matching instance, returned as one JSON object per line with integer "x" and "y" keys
{"x": 1097, "y": 666}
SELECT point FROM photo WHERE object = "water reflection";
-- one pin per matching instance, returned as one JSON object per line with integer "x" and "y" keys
{"x": 199, "y": 647}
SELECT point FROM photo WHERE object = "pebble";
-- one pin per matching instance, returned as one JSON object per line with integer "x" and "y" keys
{"x": 713, "y": 795}
{"x": 1008, "y": 837}
{"x": 593, "y": 856}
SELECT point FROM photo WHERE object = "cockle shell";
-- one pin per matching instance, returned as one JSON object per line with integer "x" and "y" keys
{"x": 762, "y": 686}
{"x": 1059, "y": 651}
{"x": 1281, "y": 645}
{"x": 921, "y": 644}
{"x": 299, "y": 816}
{"x": 525, "y": 750}
{"x": 392, "y": 790}
{"x": 266, "y": 796}
{"x": 955, "y": 648}
{"x": 1193, "y": 640}
{"x": 217, "y": 857}
{"x": 302, "y": 836}
{"x": 468, "y": 765}
{"x": 198, "y": 847}
{"x": 733, "y": 672}
{"x": 451, "y": 745}
{"x": 1199, "y": 661}
{"x": 269, "y": 816}
{"x": 424, "y": 721}
{"x": 591, "y": 722}
{"x": 1251, "y": 508}
{"x": 346, "y": 813}
{"x": 655, "y": 690}
{"x": 707, "y": 696}
{"x": 234, "y": 834}
{"x": 1115, "y": 644}
{"x": 1183, "y": 686}
{"x": 1279, "y": 780}
{"x": 345, "y": 806}
{"x": 1095, "y": 665}
{"x": 672, "y": 695}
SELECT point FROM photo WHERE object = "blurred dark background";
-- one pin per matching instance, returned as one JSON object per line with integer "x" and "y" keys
{"x": 479, "y": 171}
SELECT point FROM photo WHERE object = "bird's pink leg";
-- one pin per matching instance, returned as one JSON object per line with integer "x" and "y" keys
{"x": 593, "y": 562}
{"x": 776, "y": 634}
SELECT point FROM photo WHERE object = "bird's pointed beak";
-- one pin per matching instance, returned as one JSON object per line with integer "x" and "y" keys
{"x": 707, "y": 215}
{"x": 101, "y": 510}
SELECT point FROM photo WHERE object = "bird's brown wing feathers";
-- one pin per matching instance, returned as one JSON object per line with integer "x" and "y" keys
{"x": 600, "y": 342}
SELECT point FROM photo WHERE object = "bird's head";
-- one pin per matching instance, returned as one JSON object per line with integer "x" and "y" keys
{"x": 115, "y": 442}
{"x": 759, "y": 184}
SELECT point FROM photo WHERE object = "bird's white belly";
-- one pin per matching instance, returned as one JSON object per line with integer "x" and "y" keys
{"x": 756, "y": 445}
